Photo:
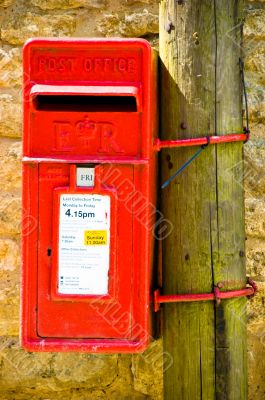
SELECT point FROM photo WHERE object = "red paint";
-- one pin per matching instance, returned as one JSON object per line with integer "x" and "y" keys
{"x": 161, "y": 144}
{"x": 215, "y": 295}
{"x": 110, "y": 124}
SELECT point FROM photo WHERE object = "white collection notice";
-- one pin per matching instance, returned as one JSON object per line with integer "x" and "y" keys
{"x": 84, "y": 244}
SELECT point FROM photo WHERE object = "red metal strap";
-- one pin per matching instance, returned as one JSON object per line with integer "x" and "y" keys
{"x": 216, "y": 295}
{"x": 239, "y": 137}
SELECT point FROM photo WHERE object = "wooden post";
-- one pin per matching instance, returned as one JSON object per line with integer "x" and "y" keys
{"x": 201, "y": 95}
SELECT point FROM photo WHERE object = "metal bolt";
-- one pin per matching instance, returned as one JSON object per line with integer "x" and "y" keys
{"x": 183, "y": 125}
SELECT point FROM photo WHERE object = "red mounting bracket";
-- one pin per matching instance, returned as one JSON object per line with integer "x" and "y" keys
{"x": 216, "y": 295}
{"x": 199, "y": 141}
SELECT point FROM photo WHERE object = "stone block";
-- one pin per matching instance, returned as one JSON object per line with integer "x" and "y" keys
{"x": 55, "y": 372}
{"x": 254, "y": 52}
{"x": 255, "y": 62}
{"x": 256, "y": 309}
{"x": 68, "y": 4}
{"x": 130, "y": 2}
{"x": 256, "y": 360}
{"x": 9, "y": 256}
{"x": 255, "y": 218}
{"x": 10, "y": 167}
{"x": 9, "y": 287}
{"x": 84, "y": 369}
{"x": 148, "y": 367}
{"x": 256, "y": 101}
{"x": 10, "y": 67}
{"x": 254, "y": 169}
{"x": 18, "y": 28}
{"x": 256, "y": 262}
{"x": 254, "y": 26}
{"x": 6, "y": 3}
{"x": 137, "y": 24}
{"x": 10, "y": 216}
{"x": 10, "y": 114}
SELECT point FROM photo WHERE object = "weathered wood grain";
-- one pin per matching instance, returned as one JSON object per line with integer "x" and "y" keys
{"x": 201, "y": 91}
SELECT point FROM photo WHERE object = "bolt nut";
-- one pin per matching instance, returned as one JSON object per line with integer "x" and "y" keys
{"x": 183, "y": 125}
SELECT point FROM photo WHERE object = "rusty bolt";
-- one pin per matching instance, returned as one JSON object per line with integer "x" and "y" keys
{"x": 183, "y": 125}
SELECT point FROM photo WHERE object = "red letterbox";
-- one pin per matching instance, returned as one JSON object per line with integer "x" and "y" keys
{"x": 89, "y": 193}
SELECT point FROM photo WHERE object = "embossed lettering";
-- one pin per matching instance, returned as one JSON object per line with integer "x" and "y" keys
{"x": 119, "y": 65}
{"x": 62, "y": 135}
{"x": 86, "y": 133}
{"x": 88, "y": 65}
{"x": 107, "y": 139}
{"x": 55, "y": 64}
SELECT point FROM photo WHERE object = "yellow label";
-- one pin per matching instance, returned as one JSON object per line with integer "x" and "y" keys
{"x": 95, "y": 238}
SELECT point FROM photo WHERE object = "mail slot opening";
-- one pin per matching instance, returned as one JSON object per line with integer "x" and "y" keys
{"x": 85, "y": 103}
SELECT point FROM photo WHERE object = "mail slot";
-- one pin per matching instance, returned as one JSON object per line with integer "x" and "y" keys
{"x": 89, "y": 171}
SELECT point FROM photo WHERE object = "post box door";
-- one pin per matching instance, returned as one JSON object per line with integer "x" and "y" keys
{"x": 77, "y": 315}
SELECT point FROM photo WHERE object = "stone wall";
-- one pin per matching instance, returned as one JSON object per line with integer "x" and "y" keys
{"x": 254, "y": 49}
{"x": 58, "y": 376}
